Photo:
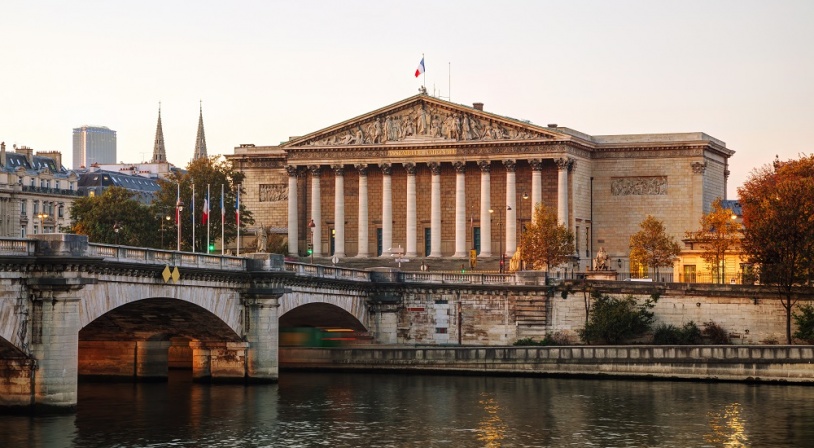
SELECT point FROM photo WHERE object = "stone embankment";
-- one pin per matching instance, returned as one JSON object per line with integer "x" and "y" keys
{"x": 791, "y": 364}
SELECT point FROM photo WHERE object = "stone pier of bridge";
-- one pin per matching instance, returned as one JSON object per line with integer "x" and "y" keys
{"x": 56, "y": 291}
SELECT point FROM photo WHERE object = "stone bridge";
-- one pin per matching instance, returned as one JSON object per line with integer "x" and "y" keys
{"x": 70, "y": 309}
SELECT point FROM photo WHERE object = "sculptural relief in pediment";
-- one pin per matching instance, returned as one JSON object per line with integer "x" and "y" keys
{"x": 424, "y": 122}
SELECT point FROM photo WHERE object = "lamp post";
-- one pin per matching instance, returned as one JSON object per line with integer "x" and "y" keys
{"x": 311, "y": 225}
{"x": 42, "y": 217}
{"x": 116, "y": 229}
{"x": 179, "y": 207}
{"x": 161, "y": 217}
{"x": 522, "y": 233}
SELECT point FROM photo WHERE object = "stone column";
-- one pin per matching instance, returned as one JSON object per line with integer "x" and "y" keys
{"x": 435, "y": 216}
{"x": 339, "y": 211}
{"x": 55, "y": 346}
{"x": 293, "y": 230}
{"x": 411, "y": 249}
{"x": 563, "y": 166}
{"x": 316, "y": 210}
{"x": 363, "y": 251}
{"x": 261, "y": 332}
{"x": 485, "y": 205}
{"x": 511, "y": 208}
{"x": 387, "y": 209}
{"x": 460, "y": 210}
{"x": 536, "y": 184}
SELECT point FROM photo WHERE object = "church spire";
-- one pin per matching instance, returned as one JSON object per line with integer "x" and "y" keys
{"x": 159, "y": 152}
{"x": 200, "y": 140}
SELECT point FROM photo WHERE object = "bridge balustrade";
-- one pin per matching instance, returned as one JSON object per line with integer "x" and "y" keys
{"x": 183, "y": 259}
{"x": 446, "y": 277}
{"x": 17, "y": 246}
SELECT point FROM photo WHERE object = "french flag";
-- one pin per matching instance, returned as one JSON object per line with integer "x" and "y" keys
{"x": 420, "y": 68}
{"x": 237, "y": 209}
{"x": 205, "y": 215}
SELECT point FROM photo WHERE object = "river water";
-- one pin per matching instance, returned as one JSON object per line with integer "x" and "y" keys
{"x": 400, "y": 410}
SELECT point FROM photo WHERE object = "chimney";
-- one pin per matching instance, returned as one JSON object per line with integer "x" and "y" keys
{"x": 27, "y": 152}
{"x": 478, "y": 106}
{"x": 2, "y": 153}
{"x": 55, "y": 155}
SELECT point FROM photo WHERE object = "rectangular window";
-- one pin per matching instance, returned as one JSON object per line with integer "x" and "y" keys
{"x": 23, "y": 207}
{"x": 427, "y": 241}
{"x": 689, "y": 273}
{"x": 379, "y": 248}
{"x": 476, "y": 239}
{"x": 36, "y": 208}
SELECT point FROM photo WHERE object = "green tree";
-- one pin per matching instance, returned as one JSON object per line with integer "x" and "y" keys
{"x": 805, "y": 323}
{"x": 202, "y": 172}
{"x": 546, "y": 243}
{"x": 778, "y": 214}
{"x": 652, "y": 247}
{"x": 614, "y": 320}
{"x": 719, "y": 234}
{"x": 114, "y": 217}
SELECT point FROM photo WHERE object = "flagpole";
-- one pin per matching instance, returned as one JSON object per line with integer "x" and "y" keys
{"x": 425, "y": 72}
{"x": 178, "y": 216}
{"x": 237, "y": 218}
{"x": 222, "y": 222}
{"x": 207, "y": 218}
{"x": 193, "y": 218}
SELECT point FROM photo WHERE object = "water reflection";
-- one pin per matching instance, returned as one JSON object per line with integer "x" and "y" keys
{"x": 727, "y": 427}
{"x": 491, "y": 428}
{"x": 307, "y": 409}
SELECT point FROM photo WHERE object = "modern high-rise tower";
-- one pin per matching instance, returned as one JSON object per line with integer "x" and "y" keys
{"x": 93, "y": 144}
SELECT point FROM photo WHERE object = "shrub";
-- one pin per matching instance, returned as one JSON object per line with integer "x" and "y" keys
{"x": 805, "y": 323}
{"x": 556, "y": 338}
{"x": 716, "y": 334}
{"x": 689, "y": 334}
{"x": 615, "y": 320}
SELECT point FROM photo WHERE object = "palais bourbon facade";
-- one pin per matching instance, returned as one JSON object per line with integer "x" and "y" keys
{"x": 423, "y": 174}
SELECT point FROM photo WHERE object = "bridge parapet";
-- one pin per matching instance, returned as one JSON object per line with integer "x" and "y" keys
{"x": 154, "y": 256}
{"x": 328, "y": 272}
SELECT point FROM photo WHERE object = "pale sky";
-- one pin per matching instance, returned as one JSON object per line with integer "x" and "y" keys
{"x": 741, "y": 71}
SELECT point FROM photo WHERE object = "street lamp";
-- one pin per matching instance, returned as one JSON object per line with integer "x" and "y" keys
{"x": 311, "y": 225}
{"x": 161, "y": 219}
{"x": 179, "y": 207}
{"x": 42, "y": 217}
{"x": 116, "y": 229}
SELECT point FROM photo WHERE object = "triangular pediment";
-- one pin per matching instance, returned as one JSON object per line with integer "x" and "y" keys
{"x": 423, "y": 119}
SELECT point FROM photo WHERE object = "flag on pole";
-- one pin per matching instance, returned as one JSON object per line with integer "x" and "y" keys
{"x": 420, "y": 68}
{"x": 237, "y": 218}
{"x": 205, "y": 215}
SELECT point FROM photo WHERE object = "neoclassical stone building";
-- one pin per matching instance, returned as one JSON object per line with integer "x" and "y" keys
{"x": 438, "y": 179}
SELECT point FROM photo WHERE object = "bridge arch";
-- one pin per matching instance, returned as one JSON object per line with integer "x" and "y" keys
{"x": 352, "y": 301}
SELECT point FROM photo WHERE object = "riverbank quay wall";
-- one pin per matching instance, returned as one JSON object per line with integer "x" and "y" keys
{"x": 770, "y": 364}
{"x": 444, "y": 314}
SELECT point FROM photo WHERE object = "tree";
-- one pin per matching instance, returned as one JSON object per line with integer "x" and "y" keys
{"x": 202, "y": 172}
{"x": 652, "y": 247}
{"x": 546, "y": 242}
{"x": 718, "y": 235}
{"x": 615, "y": 320}
{"x": 778, "y": 214}
{"x": 114, "y": 217}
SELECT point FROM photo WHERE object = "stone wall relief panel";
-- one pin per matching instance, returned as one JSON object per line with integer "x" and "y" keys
{"x": 273, "y": 192}
{"x": 425, "y": 122}
{"x": 639, "y": 186}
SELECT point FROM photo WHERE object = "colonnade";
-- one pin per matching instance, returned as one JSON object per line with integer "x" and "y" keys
{"x": 564, "y": 165}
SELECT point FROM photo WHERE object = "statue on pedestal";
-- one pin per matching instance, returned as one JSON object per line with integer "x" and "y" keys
{"x": 262, "y": 238}
{"x": 601, "y": 260}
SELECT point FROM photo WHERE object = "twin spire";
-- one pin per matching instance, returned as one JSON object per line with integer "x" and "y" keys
{"x": 160, "y": 152}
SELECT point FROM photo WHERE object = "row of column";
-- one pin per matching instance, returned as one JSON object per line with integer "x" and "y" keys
{"x": 315, "y": 225}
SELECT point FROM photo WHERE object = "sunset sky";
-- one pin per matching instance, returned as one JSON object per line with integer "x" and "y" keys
{"x": 741, "y": 71}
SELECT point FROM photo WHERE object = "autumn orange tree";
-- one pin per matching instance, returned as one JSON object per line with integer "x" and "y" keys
{"x": 546, "y": 243}
{"x": 718, "y": 235}
{"x": 652, "y": 246}
{"x": 777, "y": 202}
